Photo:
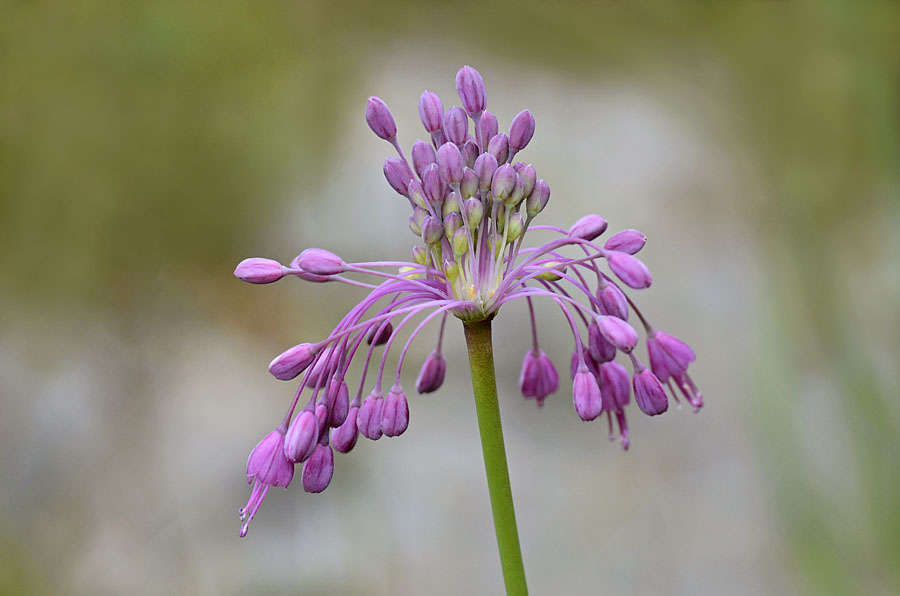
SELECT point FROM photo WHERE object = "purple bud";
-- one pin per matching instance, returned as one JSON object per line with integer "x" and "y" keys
{"x": 469, "y": 185}
{"x": 588, "y": 227}
{"x": 488, "y": 126}
{"x": 538, "y": 198}
{"x": 320, "y": 262}
{"x": 499, "y": 147}
{"x": 293, "y": 361}
{"x": 586, "y": 395}
{"x": 369, "y": 418}
{"x": 320, "y": 370}
{"x": 456, "y": 125}
{"x": 431, "y": 375}
{"x": 422, "y": 155}
{"x": 629, "y": 269}
{"x": 600, "y": 349}
{"x": 669, "y": 356}
{"x": 517, "y": 193}
{"x": 397, "y": 174}
{"x": 343, "y": 438}
{"x": 267, "y": 462}
{"x": 450, "y": 163}
{"x": 474, "y": 212}
{"x": 432, "y": 183}
{"x": 470, "y": 87}
{"x": 503, "y": 182}
{"x": 259, "y": 271}
{"x": 612, "y": 301}
{"x": 416, "y": 194}
{"x": 452, "y": 222}
{"x": 521, "y": 130}
{"x": 395, "y": 415}
{"x": 305, "y": 275}
{"x": 380, "y": 120}
{"x": 322, "y": 418}
{"x": 614, "y": 385}
{"x": 485, "y": 166}
{"x": 318, "y": 469}
{"x": 470, "y": 153}
{"x": 630, "y": 241}
{"x": 338, "y": 402}
{"x": 649, "y": 393}
{"x": 379, "y": 333}
{"x": 302, "y": 436}
{"x": 431, "y": 111}
{"x": 538, "y": 378}
{"x": 529, "y": 178}
{"x": 618, "y": 332}
{"x": 432, "y": 230}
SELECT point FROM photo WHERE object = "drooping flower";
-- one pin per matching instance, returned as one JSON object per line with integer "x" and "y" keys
{"x": 471, "y": 208}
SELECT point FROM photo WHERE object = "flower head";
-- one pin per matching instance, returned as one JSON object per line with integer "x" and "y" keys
{"x": 472, "y": 206}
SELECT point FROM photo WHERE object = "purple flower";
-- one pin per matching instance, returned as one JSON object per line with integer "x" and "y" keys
{"x": 471, "y": 210}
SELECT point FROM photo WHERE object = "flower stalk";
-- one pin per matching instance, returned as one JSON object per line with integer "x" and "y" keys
{"x": 487, "y": 408}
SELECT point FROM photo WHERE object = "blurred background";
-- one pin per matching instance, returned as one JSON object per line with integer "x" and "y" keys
{"x": 146, "y": 148}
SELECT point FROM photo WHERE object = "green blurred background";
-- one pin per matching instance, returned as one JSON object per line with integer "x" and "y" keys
{"x": 145, "y": 148}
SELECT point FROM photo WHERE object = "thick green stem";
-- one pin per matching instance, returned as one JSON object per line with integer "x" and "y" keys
{"x": 484, "y": 385}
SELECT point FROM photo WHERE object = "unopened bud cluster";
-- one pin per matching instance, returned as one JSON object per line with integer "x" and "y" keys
{"x": 471, "y": 204}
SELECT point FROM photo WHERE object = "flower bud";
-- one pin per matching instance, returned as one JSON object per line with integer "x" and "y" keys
{"x": 320, "y": 370}
{"x": 485, "y": 166}
{"x": 612, "y": 301}
{"x": 456, "y": 125}
{"x": 554, "y": 268}
{"x": 538, "y": 198}
{"x": 380, "y": 332}
{"x": 320, "y": 262}
{"x": 322, "y": 419}
{"x": 397, "y": 174}
{"x": 629, "y": 269}
{"x": 293, "y": 361}
{"x": 473, "y": 210}
{"x": 529, "y": 178}
{"x": 432, "y": 230}
{"x": 498, "y": 146}
{"x": 459, "y": 242}
{"x": 503, "y": 182}
{"x": 338, "y": 402}
{"x": 431, "y": 375}
{"x": 515, "y": 227}
{"x": 630, "y": 241}
{"x": 259, "y": 271}
{"x": 669, "y": 356}
{"x": 452, "y": 222}
{"x": 618, "y": 332}
{"x": 305, "y": 275}
{"x": 395, "y": 415}
{"x": 599, "y": 348}
{"x": 451, "y": 270}
{"x": 302, "y": 436}
{"x": 586, "y": 395}
{"x": 431, "y": 111}
{"x": 450, "y": 205}
{"x": 450, "y": 163}
{"x": 420, "y": 255}
{"x": 614, "y": 386}
{"x": 369, "y": 418}
{"x": 416, "y": 194}
{"x": 470, "y": 153}
{"x": 318, "y": 469}
{"x": 649, "y": 393}
{"x": 379, "y": 118}
{"x": 521, "y": 130}
{"x": 343, "y": 438}
{"x": 538, "y": 378}
{"x": 588, "y": 227}
{"x": 470, "y": 88}
{"x": 415, "y": 226}
{"x": 431, "y": 182}
{"x": 469, "y": 185}
{"x": 488, "y": 126}
{"x": 422, "y": 155}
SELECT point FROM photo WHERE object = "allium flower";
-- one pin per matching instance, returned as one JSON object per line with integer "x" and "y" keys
{"x": 471, "y": 207}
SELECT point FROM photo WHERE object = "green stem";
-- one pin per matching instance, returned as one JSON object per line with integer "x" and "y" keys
{"x": 484, "y": 385}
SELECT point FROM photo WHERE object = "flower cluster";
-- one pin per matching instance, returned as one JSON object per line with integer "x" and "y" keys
{"x": 472, "y": 204}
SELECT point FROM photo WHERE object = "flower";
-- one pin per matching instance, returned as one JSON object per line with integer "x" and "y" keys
{"x": 471, "y": 207}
